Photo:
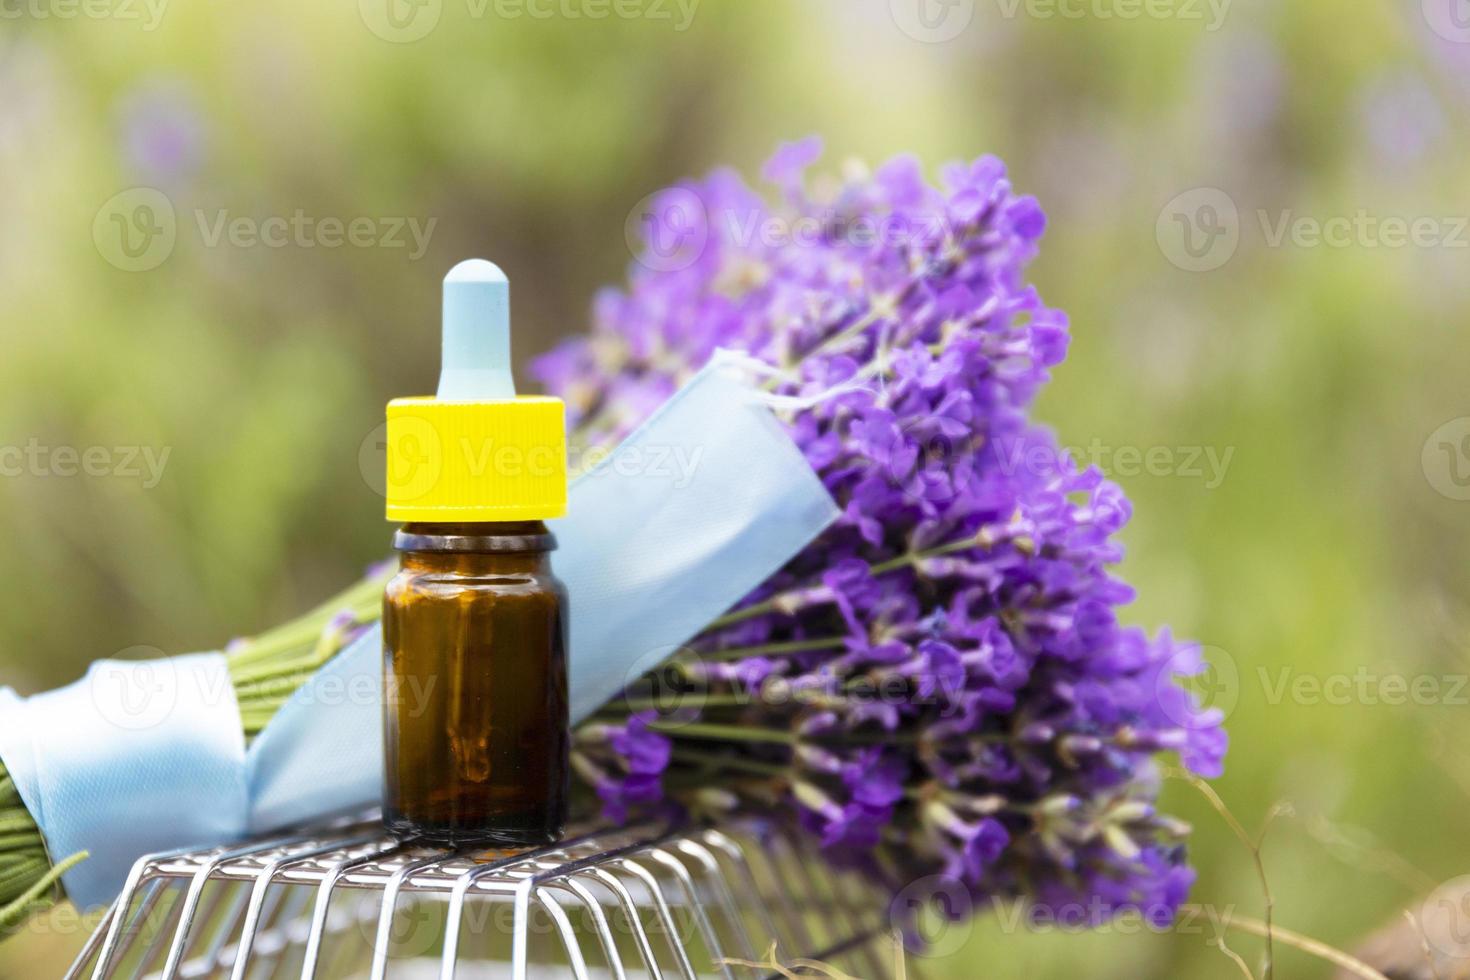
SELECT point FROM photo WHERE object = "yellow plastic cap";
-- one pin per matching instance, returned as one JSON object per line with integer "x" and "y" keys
{"x": 501, "y": 460}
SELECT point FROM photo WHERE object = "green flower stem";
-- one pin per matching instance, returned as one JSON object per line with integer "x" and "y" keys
{"x": 364, "y": 600}
{"x": 719, "y": 762}
{"x": 270, "y": 689}
{"x": 767, "y": 650}
{"x": 876, "y": 309}
{"x": 710, "y": 701}
{"x": 302, "y": 667}
{"x": 735, "y": 733}
{"x": 12, "y": 822}
{"x": 773, "y": 604}
{"x": 743, "y": 733}
{"x": 17, "y": 909}
{"x": 913, "y": 558}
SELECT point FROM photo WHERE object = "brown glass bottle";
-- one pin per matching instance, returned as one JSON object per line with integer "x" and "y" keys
{"x": 475, "y": 686}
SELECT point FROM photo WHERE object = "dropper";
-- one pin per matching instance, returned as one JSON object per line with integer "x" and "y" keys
{"x": 476, "y": 318}
{"x": 476, "y": 452}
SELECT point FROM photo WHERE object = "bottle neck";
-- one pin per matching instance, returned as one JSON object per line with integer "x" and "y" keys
{"x": 498, "y": 538}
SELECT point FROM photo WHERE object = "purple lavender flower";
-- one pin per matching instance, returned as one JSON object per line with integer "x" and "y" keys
{"x": 940, "y": 684}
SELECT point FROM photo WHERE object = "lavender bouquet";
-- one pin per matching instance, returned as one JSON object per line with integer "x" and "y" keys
{"x": 938, "y": 686}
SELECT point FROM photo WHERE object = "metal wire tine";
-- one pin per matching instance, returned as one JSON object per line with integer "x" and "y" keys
{"x": 466, "y": 881}
{"x": 278, "y": 919}
{"x": 283, "y": 910}
{"x": 867, "y": 905}
{"x": 792, "y": 924}
{"x": 736, "y": 854}
{"x": 630, "y": 912}
{"x": 570, "y": 870}
{"x": 262, "y": 886}
{"x": 388, "y": 904}
{"x": 123, "y": 901}
{"x": 814, "y": 870}
{"x": 601, "y": 858}
{"x": 599, "y": 925}
{"x": 454, "y": 918}
{"x": 94, "y": 940}
{"x": 785, "y": 858}
{"x": 869, "y": 917}
{"x": 196, "y": 887}
{"x": 274, "y": 904}
{"x": 700, "y": 853}
{"x": 222, "y": 929}
{"x": 519, "y": 941}
{"x": 661, "y": 909}
{"x": 706, "y": 929}
{"x": 157, "y": 947}
{"x": 568, "y": 934}
{"x": 324, "y": 899}
{"x": 854, "y": 926}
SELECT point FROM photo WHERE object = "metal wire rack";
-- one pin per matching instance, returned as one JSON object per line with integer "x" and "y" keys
{"x": 343, "y": 900}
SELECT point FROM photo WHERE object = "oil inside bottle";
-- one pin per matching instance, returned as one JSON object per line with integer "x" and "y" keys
{"x": 475, "y": 682}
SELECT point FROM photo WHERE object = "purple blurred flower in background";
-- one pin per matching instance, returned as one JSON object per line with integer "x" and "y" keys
{"x": 162, "y": 132}
{"x": 939, "y": 685}
{"x": 1402, "y": 120}
{"x": 1445, "y": 32}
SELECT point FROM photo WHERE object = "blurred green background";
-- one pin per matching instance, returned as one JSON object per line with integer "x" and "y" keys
{"x": 1182, "y": 150}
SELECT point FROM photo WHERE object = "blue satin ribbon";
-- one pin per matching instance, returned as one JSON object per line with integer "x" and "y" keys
{"x": 136, "y": 757}
{"x": 695, "y": 509}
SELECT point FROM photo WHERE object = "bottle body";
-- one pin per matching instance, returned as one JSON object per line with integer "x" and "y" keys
{"x": 475, "y": 686}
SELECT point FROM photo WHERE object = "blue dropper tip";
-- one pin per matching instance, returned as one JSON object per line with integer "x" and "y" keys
{"x": 476, "y": 364}
{"x": 476, "y": 270}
